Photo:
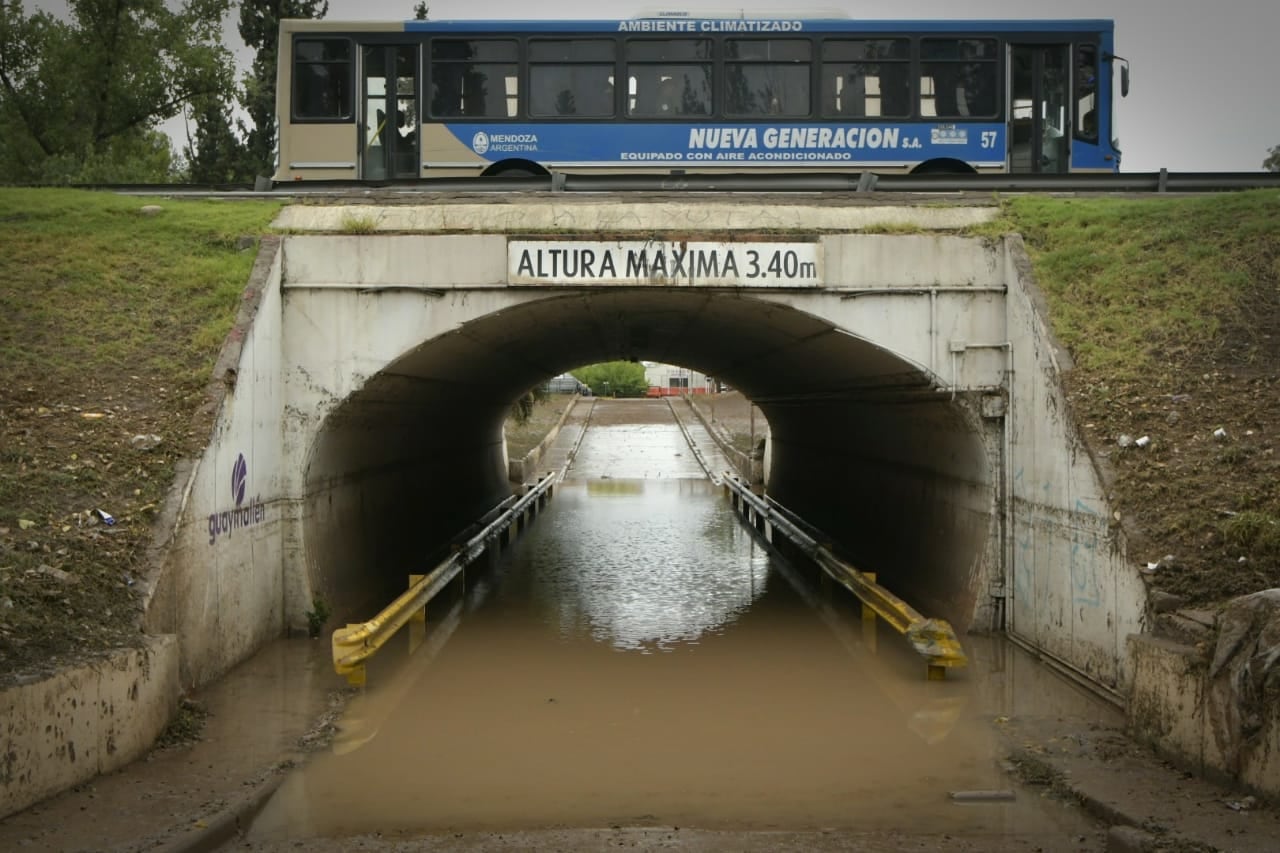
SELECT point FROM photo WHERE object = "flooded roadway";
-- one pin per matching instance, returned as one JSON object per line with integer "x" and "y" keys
{"x": 639, "y": 659}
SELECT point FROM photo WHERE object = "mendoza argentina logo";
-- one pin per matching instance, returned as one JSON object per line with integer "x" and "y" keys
{"x": 244, "y": 515}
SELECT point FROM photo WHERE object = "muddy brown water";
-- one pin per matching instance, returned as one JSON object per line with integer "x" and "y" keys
{"x": 640, "y": 659}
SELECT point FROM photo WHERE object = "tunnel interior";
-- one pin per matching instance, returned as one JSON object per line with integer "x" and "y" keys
{"x": 864, "y": 445}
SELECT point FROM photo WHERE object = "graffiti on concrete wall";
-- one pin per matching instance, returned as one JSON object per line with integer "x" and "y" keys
{"x": 243, "y": 515}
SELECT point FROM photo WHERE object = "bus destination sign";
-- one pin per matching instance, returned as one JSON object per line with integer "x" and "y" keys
{"x": 664, "y": 263}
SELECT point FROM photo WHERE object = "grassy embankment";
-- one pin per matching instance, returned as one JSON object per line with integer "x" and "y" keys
{"x": 1170, "y": 308}
{"x": 110, "y": 322}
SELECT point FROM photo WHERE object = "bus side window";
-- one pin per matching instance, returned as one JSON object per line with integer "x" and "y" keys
{"x": 958, "y": 78}
{"x": 571, "y": 77}
{"x": 670, "y": 73}
{"x": 669, "y": 91}
{"x": 1086, "y": 92}
{"x": 474, "y": 78}
{"x": 866, "y": 78}
{"x": 322, "y": 79}
{"x": 767, "y": 77}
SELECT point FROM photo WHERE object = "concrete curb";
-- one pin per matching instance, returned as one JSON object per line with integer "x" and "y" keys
{"x": 1105, "y": 791}
{"x": 1104, "y": 810}
{"x": 229, "y": 822}
{"x": 210, "y": 833}
{"x": 1126, "y": 834}
{"x": 1128, "y": 839}
{"x": 519, "y": 470}
{"x": 740, "y": 460}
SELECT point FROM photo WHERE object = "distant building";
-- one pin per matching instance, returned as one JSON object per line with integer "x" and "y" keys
{"x": 669, "y": 380}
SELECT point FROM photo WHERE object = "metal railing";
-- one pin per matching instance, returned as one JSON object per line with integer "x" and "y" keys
{"x": 356, "y": 643}
{"x": 698, "y": 455}
{"x": 861, "y": 183}
{"x": 933, "y": 639}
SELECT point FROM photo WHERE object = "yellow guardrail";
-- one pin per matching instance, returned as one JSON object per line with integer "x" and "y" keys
{"x": 356, "y": 643}
{"x": 933, "y": 639}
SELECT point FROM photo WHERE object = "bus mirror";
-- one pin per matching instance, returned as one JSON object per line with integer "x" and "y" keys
{"x": 1124, "y": 72}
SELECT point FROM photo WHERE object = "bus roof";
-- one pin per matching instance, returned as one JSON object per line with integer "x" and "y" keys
{"x": 766, "y": 26}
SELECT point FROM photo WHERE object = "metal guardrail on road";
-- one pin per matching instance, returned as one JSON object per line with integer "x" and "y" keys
{"x": 933, "y": 639}
{"x": 356, "y": 643}
{"x": 859, "y": 183}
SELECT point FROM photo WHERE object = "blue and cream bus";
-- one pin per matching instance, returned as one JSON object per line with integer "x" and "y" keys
{"x": 682, "y": 94}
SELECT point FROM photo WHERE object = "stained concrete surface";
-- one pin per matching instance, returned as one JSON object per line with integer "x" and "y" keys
{"x": 258, "y": 721}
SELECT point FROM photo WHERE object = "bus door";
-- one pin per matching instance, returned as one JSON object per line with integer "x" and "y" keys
{"x": 389, "y": 128}
{"x": 1039, "y": 107}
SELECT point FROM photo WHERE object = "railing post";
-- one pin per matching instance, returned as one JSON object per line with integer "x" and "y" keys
{"x": 869, "y": 636}
{"x": 417, "y": 621}
{"x": 460, "y": 583}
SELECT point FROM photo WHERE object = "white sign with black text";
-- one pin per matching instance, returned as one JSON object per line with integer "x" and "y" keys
{"x": 665, "y": 263}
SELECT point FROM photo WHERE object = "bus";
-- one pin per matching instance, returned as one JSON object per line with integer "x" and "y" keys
{"x": 678, "y": 94}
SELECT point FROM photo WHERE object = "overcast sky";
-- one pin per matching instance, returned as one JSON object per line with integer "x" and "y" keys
{"x": 1206, "y": 75}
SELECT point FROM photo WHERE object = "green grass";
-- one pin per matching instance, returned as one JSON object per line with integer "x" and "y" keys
{"x": 892, "y": 228}
{"x": 87, "y": 282}
{"x": 1257, "y": 533}
{"x": 359, "y": 223}
{"x": 1170, "y": 308}
{"x": 1132, "y": 283}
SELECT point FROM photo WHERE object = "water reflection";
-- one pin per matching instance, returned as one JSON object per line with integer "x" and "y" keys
{"x": 639, "y": 659}
{"x": 640, "y": 564}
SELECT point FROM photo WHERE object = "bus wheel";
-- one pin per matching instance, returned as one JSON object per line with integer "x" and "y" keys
{"x": 944, "y": 166}
{"x": 516, "y": 169}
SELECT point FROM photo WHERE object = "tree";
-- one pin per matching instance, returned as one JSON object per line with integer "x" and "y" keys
{"x": 217, "y": 154}
{"x": 260, "y": 29}
{"x": 1272, "y": 163}
{"x": 80, "y": 99}
{"x": 522, "y": 409}
{"x": 614, "y": 379}
{"x": 420, "y": 12}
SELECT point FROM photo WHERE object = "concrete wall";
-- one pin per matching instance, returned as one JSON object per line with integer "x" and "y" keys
{"x": 1070, "y": 592}
{"x": 219, "y": 586}
{"x": 567, "y": 215}
{"x": 915, "y": 410}
{"x": 383, "y": 462}
{"x": 1197, "y": 722}
{"x": 1210, "y": 707}
{"x": 85, "y": 721}
{"x": 900, "y": 471}
{"x": 950, "y": 430}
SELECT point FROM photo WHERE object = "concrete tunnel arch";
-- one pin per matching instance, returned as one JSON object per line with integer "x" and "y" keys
{"x": 864, "y": 442}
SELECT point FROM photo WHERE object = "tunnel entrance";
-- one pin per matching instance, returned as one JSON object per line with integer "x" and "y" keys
{"x": 910, "y": 383}
{"x": 900, "y": 472}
